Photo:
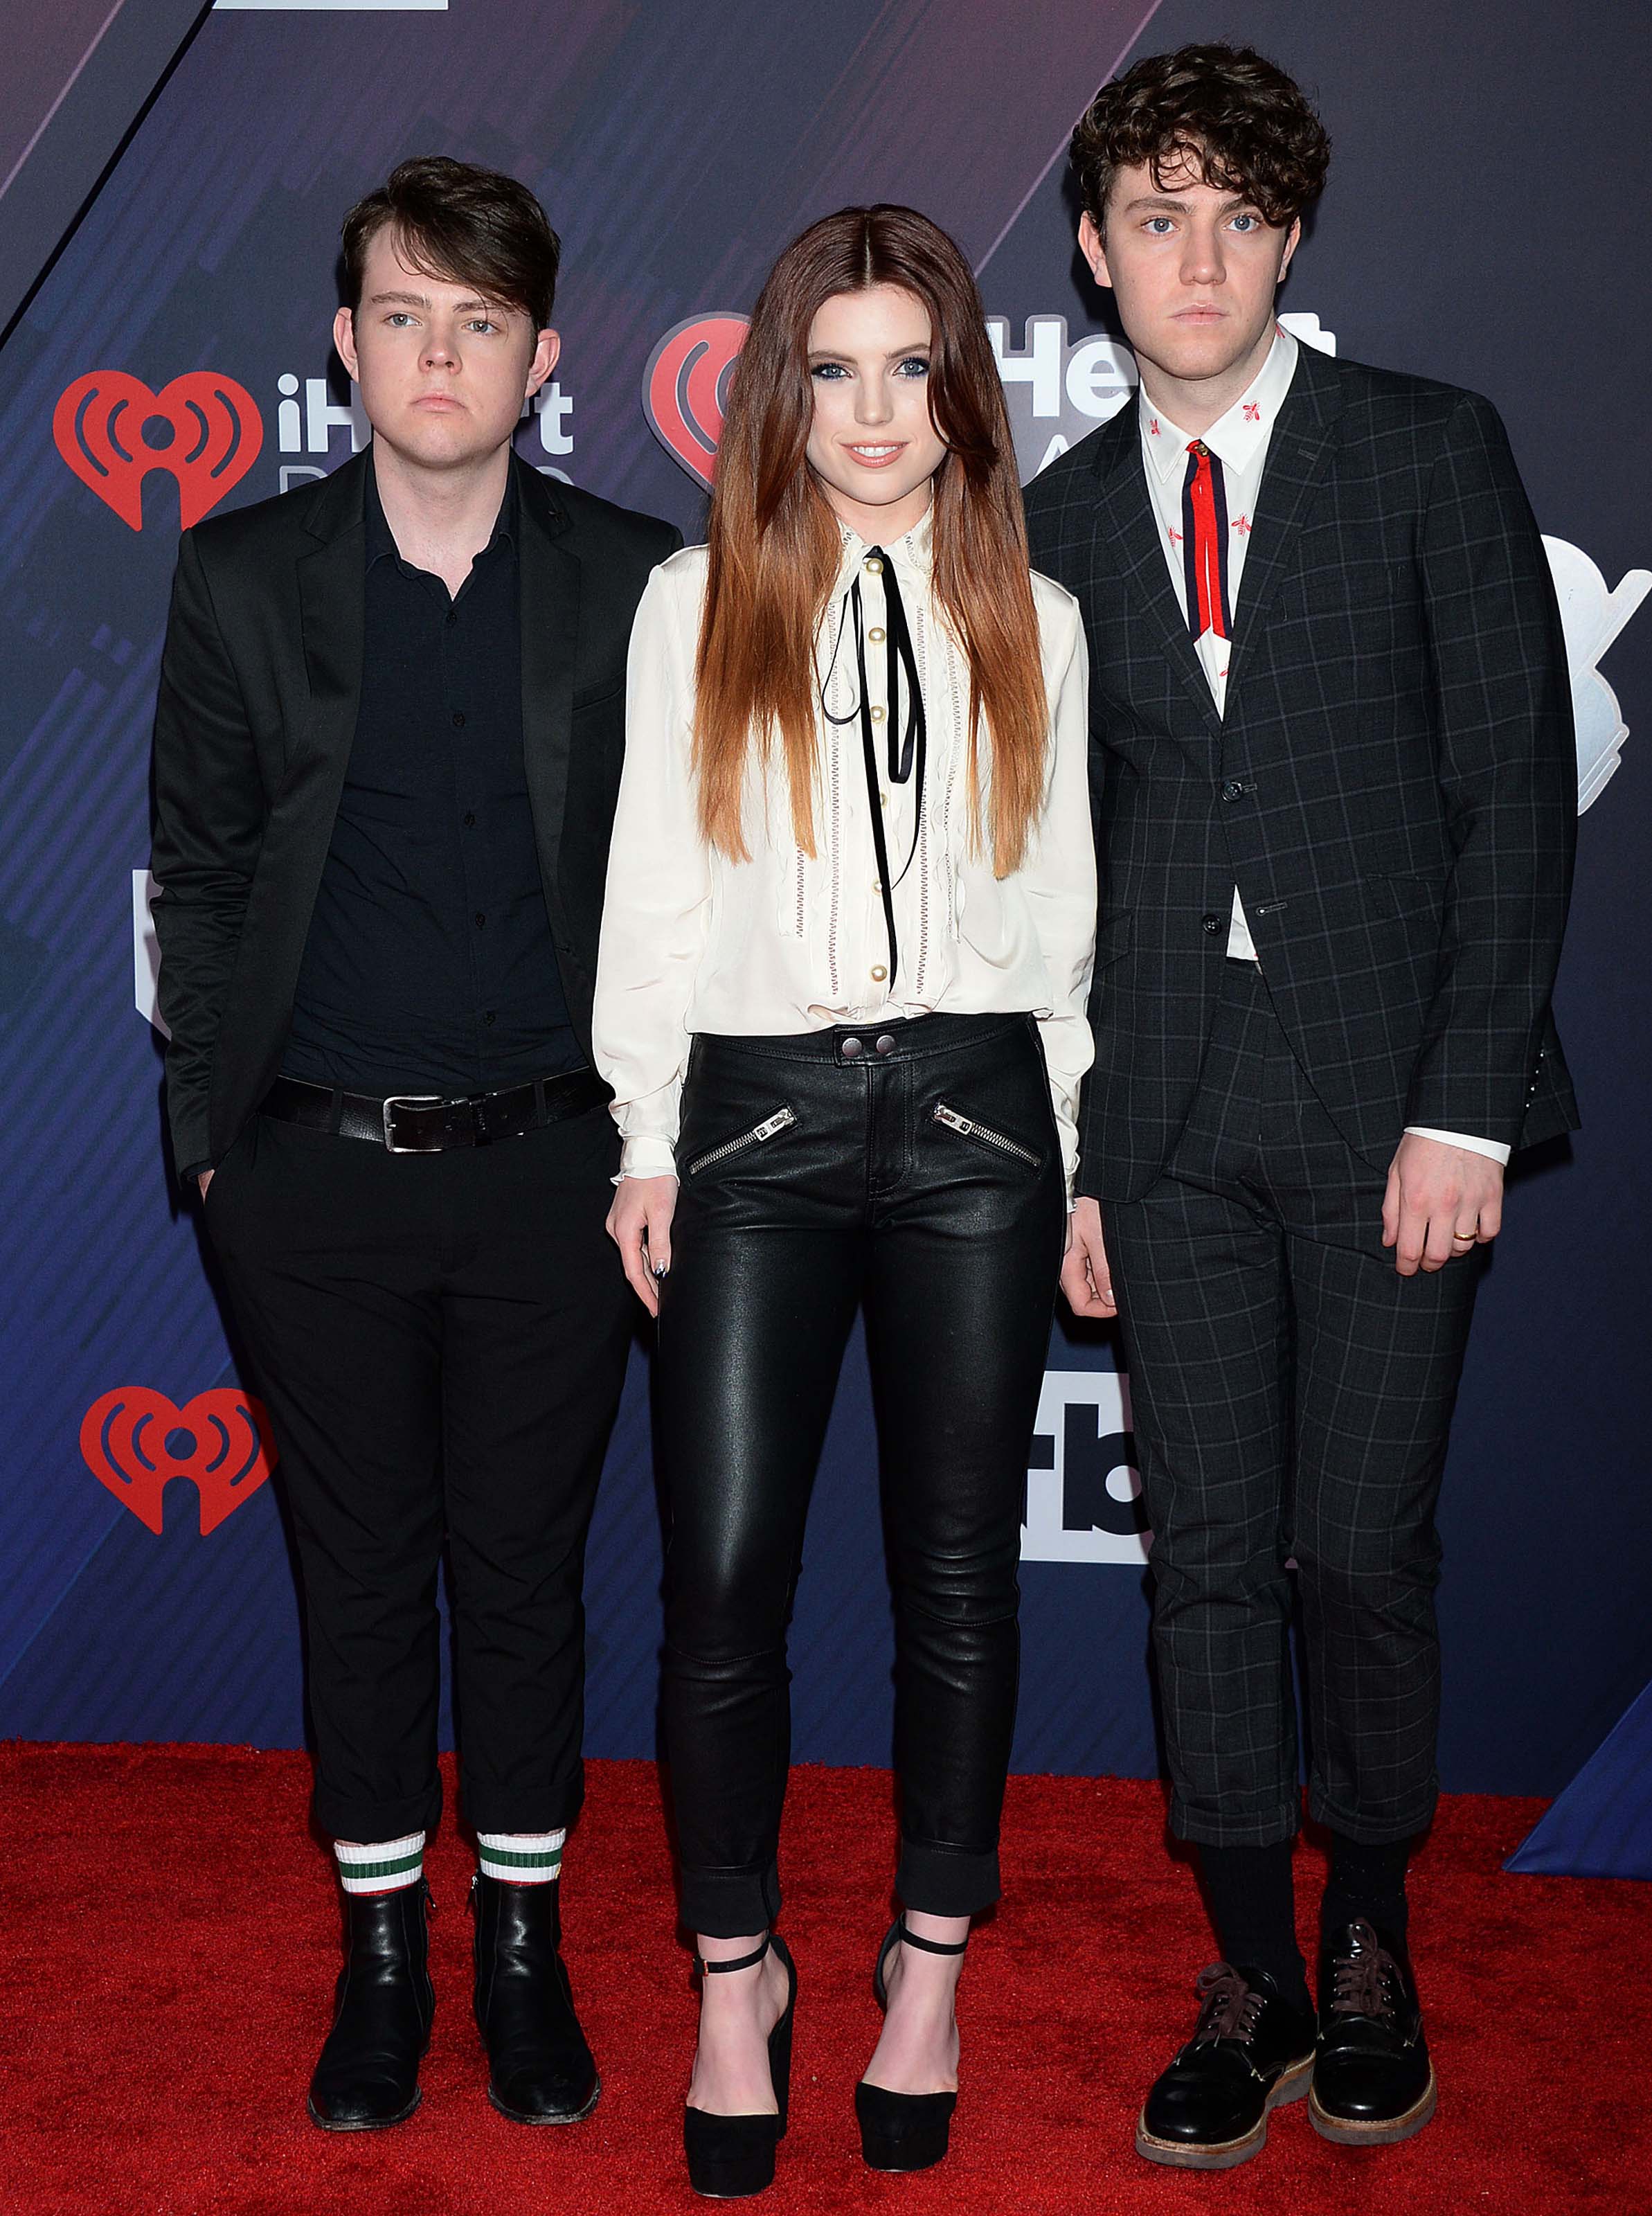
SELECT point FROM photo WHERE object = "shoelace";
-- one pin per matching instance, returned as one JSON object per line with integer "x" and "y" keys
{"x": 1363, "y": 1981}
{"x": 1230, "y": 2010}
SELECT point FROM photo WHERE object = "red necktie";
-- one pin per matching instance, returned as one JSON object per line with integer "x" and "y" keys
{"x": 1204, "y": 542}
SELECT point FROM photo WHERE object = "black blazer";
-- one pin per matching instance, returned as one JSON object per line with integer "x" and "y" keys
{"x": 259, "y": 683}
{"x": 1393, "y": 788}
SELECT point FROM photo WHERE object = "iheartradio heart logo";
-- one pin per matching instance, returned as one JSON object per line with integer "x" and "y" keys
{"x": 686, "y": 384}
{"x": 100, "y": 423}
{"x": 136, "y": 1441}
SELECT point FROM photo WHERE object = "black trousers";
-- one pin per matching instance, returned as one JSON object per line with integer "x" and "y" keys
{"x": 952, "y": 1238}
{"x": 1292, "y": 1395}
{"x": 440, "y": 1341}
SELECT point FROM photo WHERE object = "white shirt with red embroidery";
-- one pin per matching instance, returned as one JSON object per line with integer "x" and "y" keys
{"x": 1239, "y": 440}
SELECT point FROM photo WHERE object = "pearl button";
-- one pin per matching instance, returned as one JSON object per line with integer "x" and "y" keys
{"x": 878, "y": 884}
{"x": 877, "y": 714}
{"x": 874, "y": 565}
{"x": 883, "y": 800}
{"x": 879, "y": 974}
{"x": 876, "y": 636}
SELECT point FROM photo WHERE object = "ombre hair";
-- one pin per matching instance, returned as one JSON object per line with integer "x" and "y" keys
{"x": 774, "y": 547}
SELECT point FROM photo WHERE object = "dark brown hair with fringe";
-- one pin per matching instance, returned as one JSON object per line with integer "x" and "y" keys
{"x": 470, "y": 226}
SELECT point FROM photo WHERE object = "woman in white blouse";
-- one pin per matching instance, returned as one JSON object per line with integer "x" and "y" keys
{"x": 846, "y": 946}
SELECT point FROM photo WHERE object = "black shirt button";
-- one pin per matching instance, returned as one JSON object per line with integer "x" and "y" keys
{"x": 487, "y": 1016}
{"x": 1211, "y": 926}
{"x": 452, "y": 619}
{"x": 479, "y": 919}
{"x": 1232, "y": 788}
{"x": 469, "y": 818}
{"x": 459, "y": 720}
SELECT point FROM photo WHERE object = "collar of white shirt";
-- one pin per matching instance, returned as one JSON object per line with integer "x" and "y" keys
{"x": 1237, "y": 438}
{"x": 911, "y": 554}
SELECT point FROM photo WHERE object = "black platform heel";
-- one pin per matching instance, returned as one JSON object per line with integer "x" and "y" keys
{"x": 904, "y": 2131}
{"x": 730, "y": 2157}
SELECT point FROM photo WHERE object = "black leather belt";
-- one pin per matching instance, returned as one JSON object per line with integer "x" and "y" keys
{"x": 425, "y": 1123}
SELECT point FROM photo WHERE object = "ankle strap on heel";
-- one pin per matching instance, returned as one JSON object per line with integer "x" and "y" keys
{"x": 932, "y": 1946}
{"x": 739, "y": 1963}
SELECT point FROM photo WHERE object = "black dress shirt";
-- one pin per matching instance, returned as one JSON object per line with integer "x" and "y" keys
{"x": 429, "y": 966}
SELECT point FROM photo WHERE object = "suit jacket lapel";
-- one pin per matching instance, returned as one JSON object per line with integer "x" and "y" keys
{"x": 332, "y": 601}
{"x": 1304, "y": 443}
{"x": 549, "y": 578}
{"x": 1131, "y": 526}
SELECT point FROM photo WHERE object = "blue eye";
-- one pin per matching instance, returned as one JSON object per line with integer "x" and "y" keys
{"x": 1248, "y": 222}
{"x": 914, "y": 366}
{"x": 834, "y": 370}
{"x": 399, "y": 317}
{"x": 1154, "y": 223}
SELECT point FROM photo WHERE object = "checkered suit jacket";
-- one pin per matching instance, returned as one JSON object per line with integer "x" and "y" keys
{"x": 1393, "y": 788}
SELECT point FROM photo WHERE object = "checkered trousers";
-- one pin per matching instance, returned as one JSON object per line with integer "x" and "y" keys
{"x": 1392, "y": 786}
{"x": 1292, "y": 1395}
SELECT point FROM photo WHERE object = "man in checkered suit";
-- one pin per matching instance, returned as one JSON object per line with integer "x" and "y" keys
{"x": 1335, "y": 777}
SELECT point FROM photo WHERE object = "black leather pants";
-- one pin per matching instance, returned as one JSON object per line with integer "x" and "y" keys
{"x": 914, "y": 1168}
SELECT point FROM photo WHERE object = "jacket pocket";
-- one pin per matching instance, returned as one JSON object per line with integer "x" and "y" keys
{"x": 1113, "y": 936}
{"x": 781, "y": 1120}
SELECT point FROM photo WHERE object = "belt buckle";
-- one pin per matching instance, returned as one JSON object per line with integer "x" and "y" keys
{"x": 407, "y": 1100}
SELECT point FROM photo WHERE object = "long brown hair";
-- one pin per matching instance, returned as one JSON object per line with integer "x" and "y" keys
{"x": 774, "y": 544}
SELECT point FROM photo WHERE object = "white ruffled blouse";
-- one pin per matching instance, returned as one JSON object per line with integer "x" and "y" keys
{"x": 792, "y": 942}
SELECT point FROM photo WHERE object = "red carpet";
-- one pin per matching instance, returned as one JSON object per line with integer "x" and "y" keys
{"x": 155, "y": 2055}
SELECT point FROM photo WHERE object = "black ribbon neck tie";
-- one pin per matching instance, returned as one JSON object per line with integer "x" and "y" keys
{"x": 907, "y": 747}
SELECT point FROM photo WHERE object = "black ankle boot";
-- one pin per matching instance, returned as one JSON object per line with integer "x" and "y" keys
{"x": 368, "y": 2073}
{"x": 540, "y": 2070}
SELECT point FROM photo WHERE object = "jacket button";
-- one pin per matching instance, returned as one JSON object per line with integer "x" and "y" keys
{"x": 852, "y": 1050}
{"x": 1211, "y": 926}
{"x": 885, "y": 1044}
{"x": 1232, "y": 788}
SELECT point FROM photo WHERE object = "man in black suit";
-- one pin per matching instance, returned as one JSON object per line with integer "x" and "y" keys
{"x": 1336, "y": 786}
{"x": 387, "y": 748}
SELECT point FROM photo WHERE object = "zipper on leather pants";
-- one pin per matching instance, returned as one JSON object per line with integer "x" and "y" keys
{"x": 970, "y": 1129}
{"x": 780, "y": 1121}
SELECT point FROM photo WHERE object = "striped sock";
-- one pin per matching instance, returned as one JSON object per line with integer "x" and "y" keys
{"x": 384, "y": 1866}
{"x": 522, "y": 1857}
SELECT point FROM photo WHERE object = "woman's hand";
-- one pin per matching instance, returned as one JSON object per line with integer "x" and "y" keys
{"x": 1085, "y": 1277}
{"x": 639, "y": 1223}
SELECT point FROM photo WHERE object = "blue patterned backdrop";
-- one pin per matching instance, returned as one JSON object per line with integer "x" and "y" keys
{"x": 1473, "y": 230}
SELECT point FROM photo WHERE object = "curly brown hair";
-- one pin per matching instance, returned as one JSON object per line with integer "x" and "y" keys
{"x": 1236, "y": 118}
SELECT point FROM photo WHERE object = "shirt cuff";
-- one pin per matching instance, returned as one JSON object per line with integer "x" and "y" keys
{"x": 645, "y": 1157}
{"x": 1489, "y": 1147}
